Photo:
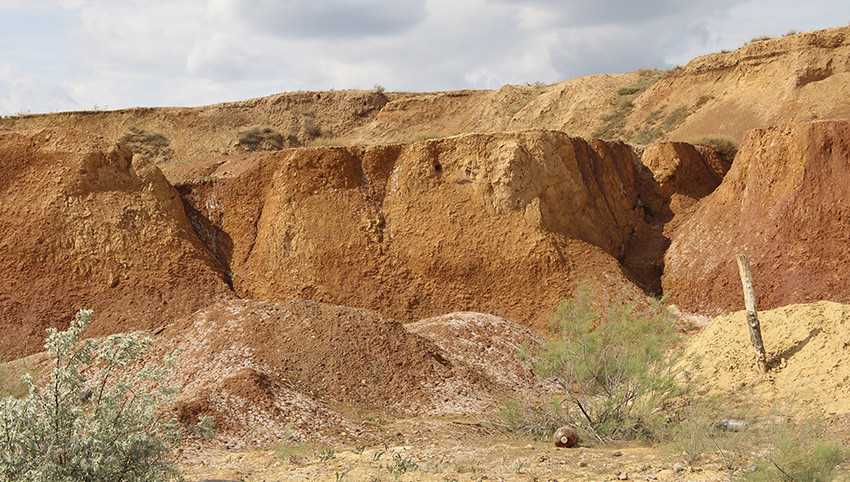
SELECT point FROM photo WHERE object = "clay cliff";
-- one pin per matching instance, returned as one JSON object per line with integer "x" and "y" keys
{"x": 783, "y": 204}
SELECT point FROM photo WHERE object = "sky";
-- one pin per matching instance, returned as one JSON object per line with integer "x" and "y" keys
{"x": 85, "y": 54}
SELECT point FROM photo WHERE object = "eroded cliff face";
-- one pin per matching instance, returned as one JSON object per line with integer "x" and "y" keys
{"x": 502, "y": 223}
{"x": 784, "y": 203}
{"x": 100, "y": 230}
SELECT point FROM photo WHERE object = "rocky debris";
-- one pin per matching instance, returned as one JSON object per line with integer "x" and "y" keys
{"x": 783, "y": 204}
{"x": 732, "y": 425}
{"x": 490, "y": 344}
{"x": 565, "y": 437}
{"x": 100, "y": 230}
{"x": 498, "y": 223}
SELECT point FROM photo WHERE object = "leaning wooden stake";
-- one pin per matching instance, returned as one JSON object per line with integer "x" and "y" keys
{"x": 752, "y": 311}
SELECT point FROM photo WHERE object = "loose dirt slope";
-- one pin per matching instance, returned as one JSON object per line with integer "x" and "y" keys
{"x": 784, "y": 204}
{"x": 96, "y": 230}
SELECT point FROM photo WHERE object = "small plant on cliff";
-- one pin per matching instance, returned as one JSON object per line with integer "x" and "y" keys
{"x": 726, "y": 149}
{"x": 613, "y": 367}
{"x": 98, "y": 417}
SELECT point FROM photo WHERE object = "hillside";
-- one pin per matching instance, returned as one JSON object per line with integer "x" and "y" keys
{"x": 380, "y": 268}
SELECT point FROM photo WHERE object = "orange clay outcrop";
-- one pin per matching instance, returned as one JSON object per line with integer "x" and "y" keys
{"x": 498, "y": 223}
{"x": 98, "y": 230}
{"x": 784, "y": 204}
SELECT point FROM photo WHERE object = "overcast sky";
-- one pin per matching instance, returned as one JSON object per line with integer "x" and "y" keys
{"x": 77, "y": 54}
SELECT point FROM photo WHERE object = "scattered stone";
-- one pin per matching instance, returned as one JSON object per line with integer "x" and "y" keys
{"x": 617, "y": 454}
{"x": 732, "y": 425}
{"x": 565, "y": 437}
{"x": 622, "y": 476}
{"x": 678, "y": 468}
{"x": 582, "y": 464}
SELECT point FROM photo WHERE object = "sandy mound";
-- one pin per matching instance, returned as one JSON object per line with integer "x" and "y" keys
{"x": 808, "y": 350}
{"x": 504, "y": 223}
{"x": 100, "y": 230}
{"x": 784, "y": 204}
{"x": 270, "y": 371}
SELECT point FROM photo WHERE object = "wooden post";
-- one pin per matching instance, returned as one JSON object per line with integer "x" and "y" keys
{"x": 752, "y": 311}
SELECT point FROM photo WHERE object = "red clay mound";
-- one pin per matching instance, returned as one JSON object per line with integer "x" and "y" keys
{"x": 268, "y": 371}
{"x": 784, "y": 203}
{"x": 499, "y": 223}
{"x": 92, "y": 230}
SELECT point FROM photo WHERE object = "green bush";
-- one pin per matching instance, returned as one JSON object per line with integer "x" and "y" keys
{"x": 261, "y": 138}
{"x": 799, "y": 455}
{"x": 613, "y": 365}
{"x": 98, "y": 417}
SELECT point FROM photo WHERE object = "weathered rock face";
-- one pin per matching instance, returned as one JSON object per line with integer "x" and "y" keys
{"x": 502, "y": 223}
{"x": 99, "y": 230}
{"x": 784, "y": 203}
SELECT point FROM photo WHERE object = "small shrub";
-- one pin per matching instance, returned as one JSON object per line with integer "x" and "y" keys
{"x": 151, "y": 145}
{"x": 613, "y": 366}
{"x": 761, "y": 38}
{"x": 630, "y": 90}
{"x": 726, "y": 149}
{"x": 790, "y": 33}
{"x": 799, "y": 455}
{"x": 326, "y": 454}
{"x": 309, "y": 130}
{"x": 260, "y": 139}
{"x": 378, "y": 89}
{"x": 647, "y": 136}
{"x": 538, "y": 420}
{"x": 97, "y": 418}
{"x": 401, "y": 465}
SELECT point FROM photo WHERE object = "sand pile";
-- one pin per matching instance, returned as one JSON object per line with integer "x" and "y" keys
{"x": 808, "y": 350}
